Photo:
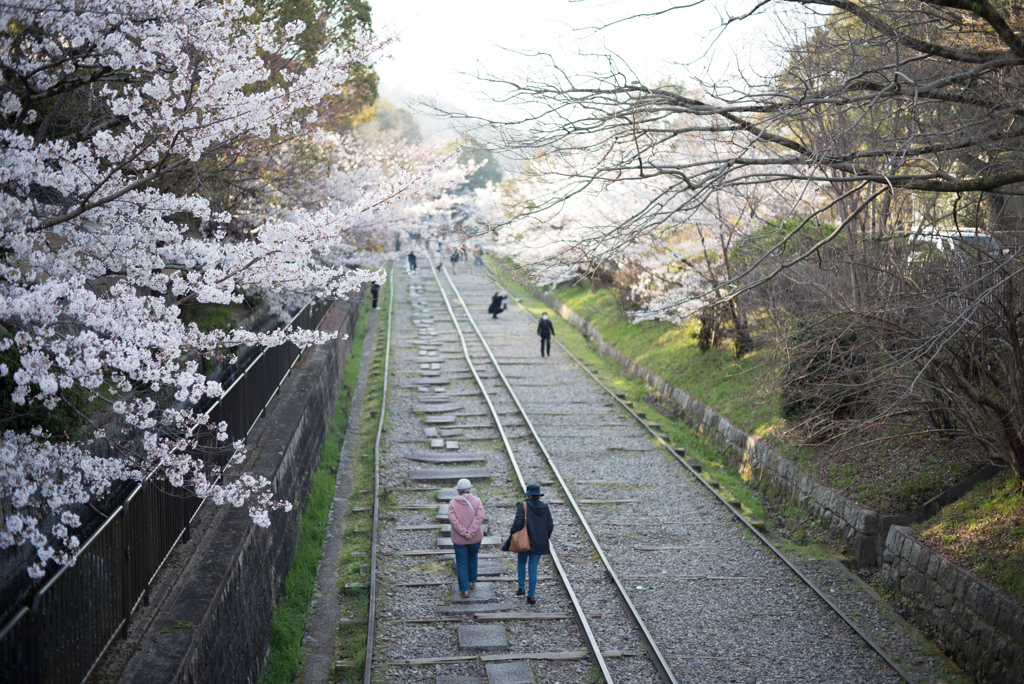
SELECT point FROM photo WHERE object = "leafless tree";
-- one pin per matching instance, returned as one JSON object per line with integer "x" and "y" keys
{"x": 907, "y": 113}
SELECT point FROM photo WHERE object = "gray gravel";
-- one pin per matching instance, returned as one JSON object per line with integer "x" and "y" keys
{"x": 718, "y": 604}
{"x": 398, "y": 639}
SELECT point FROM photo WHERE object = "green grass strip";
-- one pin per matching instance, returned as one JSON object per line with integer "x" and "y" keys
{"x": 285, "y": 655}
{"x": 984, "y": 532}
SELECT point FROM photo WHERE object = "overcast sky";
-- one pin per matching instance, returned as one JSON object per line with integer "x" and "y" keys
{"x": 444, "y": 44}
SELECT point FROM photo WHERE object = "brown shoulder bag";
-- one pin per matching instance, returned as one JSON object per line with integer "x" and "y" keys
{"x": 520, "y": 540}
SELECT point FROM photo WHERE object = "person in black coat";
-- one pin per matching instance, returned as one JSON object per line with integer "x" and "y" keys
{"x": 537, "y": 517}
{"x": 545, "y": 329}
{"x": 375, "y": 293}
{"x": 497, "y": 304}
{"x": 412, "y": 262}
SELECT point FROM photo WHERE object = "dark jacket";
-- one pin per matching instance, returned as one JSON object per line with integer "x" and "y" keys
{"x": 545, "y": 328}
{"x": 497, "y": 305}
{"x": 539, "y": 525}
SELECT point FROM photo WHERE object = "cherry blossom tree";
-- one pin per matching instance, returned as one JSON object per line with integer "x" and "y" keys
{"x": 667, "y": 244}
{"x": 102, "y": 101}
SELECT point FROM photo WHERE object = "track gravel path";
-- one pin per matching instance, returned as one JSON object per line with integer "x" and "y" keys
{"x": 720, "y": 606}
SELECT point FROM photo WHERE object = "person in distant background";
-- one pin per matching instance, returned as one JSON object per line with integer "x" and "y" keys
{"x": 497, "y": 304}
{"x": 412, "y": 262}
{"x": 398, "y": 243}
{"x": 545, "y": 329}
{"x": 478, "y": 256}
{"x": 375, "y": 293}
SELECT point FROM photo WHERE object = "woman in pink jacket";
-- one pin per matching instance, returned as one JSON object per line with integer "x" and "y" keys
{"x": 466, "y": 514}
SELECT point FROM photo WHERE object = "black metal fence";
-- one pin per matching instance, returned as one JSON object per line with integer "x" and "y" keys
{"x": 79, "y": 611}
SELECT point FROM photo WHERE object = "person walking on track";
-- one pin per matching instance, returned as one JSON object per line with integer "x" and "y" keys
{"x": 454, "y": 259}
{"x": 412, "y": 262}
{"x": 375, "y": 293}
{"x": 497, "y": 304}
{"x": 545, "y": 330}
{"x": 535, "y": 515}
{"x": 466, "y": 515}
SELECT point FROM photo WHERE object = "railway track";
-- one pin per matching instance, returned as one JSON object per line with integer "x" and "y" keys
{"x": 651, "y": 578}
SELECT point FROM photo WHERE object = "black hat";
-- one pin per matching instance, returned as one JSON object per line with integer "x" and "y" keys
{"x": 533, "y": 490}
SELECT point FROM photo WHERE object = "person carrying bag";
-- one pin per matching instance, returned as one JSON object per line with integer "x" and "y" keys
{"x": 529, "y": 537}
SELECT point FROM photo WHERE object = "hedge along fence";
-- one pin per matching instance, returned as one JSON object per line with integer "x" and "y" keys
{"x": 984, "y": 629}
{"x": 861, "y": 530}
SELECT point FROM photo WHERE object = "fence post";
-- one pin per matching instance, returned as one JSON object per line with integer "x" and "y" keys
{"x": 126, "y": 571}
{"x": 184, "y": 519}
{"x": 35, "y": 644}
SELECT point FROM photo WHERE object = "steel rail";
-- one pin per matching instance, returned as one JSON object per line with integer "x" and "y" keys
{"x": 371, "y": 619}
{"x": 757, "y": 533}
{"x": 657, "y": 658}
{"x": 581, "y": 619}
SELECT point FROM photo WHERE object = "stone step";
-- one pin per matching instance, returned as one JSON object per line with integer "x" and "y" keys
{"x": 518, "y": 672}
{"x": 449, "y": 476}
{"x": 435, "y": 400}
{"x": 449, "y": 493}
{"x": 430, "y": 381}
{"x": 439, "y": 420}
{"x": 443, "y": 457}
{"x": 491, "y": 566}
{"x": 482, "y": 638}
{"x": 447, "y": 543}
{"x": 446, "y": 407}
{"x": 521, "y": 616}
{"x": 483, "y": 593}
{"x": 467, "y": 608}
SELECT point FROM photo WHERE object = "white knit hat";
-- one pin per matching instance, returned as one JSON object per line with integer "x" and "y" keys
{"x": 463, "y": 485}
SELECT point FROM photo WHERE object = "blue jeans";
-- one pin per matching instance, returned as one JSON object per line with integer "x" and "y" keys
{"x": 478, "y": 261}
{"x": 534, "y": 559}
{"x": 465, "y": 564}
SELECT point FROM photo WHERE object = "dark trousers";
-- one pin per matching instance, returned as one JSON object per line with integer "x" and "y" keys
{"x": 545, "y": 344}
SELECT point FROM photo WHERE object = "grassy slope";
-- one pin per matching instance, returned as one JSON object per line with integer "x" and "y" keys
{"x": 716, "y": 378}
{"x": 984, "y": 532}
{"x": 285, "y": 655}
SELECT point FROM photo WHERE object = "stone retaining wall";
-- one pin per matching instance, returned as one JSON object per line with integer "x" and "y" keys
{"x": 984, "y": 630}
{"x": 214, "y": 624}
